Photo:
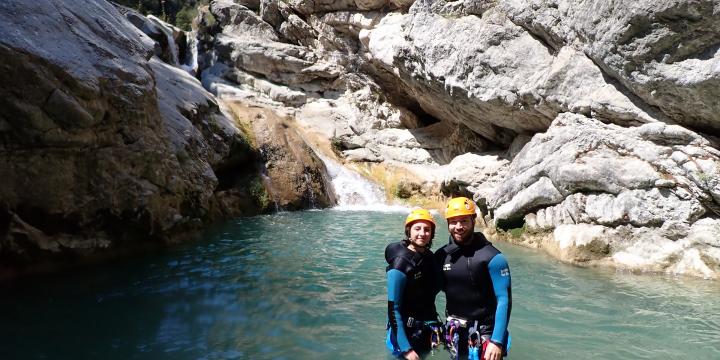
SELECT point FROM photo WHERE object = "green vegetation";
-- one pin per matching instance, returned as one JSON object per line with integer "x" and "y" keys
{"x": 177, "y": 12}
{"x": 259, "y": 194}
{"x": 517, "y": 232}
{"x": 184, "y": 18}
{"x": 704, "y": 177}
{"x": 337, "y": 146}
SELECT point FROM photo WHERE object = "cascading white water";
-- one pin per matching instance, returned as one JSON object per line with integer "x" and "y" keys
{"x": 354, "y": 192}
{"x": 190, "y": 63}
{"x": 310, "y": 192}
{"x": 170, "y": 39}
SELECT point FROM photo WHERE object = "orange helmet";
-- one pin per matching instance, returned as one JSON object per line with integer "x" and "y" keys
{"x": 459, "y": 206}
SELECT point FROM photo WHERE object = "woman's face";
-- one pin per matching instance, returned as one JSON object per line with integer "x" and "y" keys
{"x": 420, "y": 233}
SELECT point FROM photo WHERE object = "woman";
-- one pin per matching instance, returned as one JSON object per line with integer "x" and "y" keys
{"x": 412, "y": 285}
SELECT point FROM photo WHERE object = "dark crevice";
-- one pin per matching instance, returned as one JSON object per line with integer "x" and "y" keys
{"x": 424, "y": 117}
{"x": 706, "y": 54}
{"x": 511, "y": 223}
{"x": 456, "y": 188}
{"x": 552, "y": 50}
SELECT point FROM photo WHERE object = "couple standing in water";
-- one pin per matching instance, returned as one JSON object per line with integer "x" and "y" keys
{"x": 474, "y": 276}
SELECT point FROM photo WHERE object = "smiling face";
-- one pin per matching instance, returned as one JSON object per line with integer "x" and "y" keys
{"x": 420, "y": 234}
{"x": 461, "y": 228}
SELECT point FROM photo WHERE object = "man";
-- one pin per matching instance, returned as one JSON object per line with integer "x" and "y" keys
{"x": 476, "y": 282}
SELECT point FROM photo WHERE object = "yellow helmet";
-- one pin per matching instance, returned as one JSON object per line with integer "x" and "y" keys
{"x": 419, "y": 214}
{"x": 459, "y": 206}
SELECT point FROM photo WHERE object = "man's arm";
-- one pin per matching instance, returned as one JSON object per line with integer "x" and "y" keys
{"x": 500, "y": 275}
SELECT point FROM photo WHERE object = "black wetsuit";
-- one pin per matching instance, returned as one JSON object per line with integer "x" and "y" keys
{"x": 412, "y": 286}
{"x": 476, "y": 282}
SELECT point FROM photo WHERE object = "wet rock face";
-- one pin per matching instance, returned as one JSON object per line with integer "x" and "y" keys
{"x": 293, "y": 175}
{"x": 103, "y": 146}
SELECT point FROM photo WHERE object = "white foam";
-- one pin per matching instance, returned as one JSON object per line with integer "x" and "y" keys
{"x": 376, "y": 207}
{"x": 190, "y": 64}
{"x": 354, "y": 192}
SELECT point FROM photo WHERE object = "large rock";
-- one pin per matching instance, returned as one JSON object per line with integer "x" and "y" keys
{"x": 665, "y": 52}
{"x": 606, "y": 174}
{"x": 491, "y": 75}
{"x": 475, "y": 176}
{"x": 232, "y": 17}
{"x": 103, "y": 147}
{"x": 296, "y": 178}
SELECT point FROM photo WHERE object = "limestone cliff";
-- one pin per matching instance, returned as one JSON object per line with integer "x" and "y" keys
{"x": 588, "y": 124}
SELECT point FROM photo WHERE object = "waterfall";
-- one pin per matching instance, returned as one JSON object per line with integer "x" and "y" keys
{"x": 267, "y": 182}
{"x": 168, "y": 32}
{"x": 354, "y": 192}
{"x": 311, "y": 193}
{"x": 190, "y": 63}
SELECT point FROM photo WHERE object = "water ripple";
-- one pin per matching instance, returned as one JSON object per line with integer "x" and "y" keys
{"x": 312, "y": 286}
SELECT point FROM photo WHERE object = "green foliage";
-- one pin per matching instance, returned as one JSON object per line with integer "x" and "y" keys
{"x": 517, "y": 232}
{"x": 209, "y": 19}
{"x": 177, "y": 12}
{"x": 704, "y": 177}
{"x": 259, "y": 194}
{"x": 184, "y": 18}
{"x": 336, "y": 144}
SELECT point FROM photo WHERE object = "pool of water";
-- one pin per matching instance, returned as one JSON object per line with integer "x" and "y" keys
{"x": 311, "y": 285}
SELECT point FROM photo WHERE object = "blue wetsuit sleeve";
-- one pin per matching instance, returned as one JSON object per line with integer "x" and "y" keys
{"x": 396, "y": 280}
{"x": 500, "y": 276}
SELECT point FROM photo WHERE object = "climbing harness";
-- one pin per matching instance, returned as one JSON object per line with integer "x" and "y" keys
{"x": 435, "y": 335}
{"x": 428, "y": 333}
{"x": 477, "y": 337}
{"x": 452, "y": 334}
{"x": 476, "y": 341}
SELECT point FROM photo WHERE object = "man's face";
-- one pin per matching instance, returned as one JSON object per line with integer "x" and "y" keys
{"x": 461, "y": 228}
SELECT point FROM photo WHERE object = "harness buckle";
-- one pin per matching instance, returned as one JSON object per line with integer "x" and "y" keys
{"x": 458, "y": 321}
{"x": 410, "y": 322}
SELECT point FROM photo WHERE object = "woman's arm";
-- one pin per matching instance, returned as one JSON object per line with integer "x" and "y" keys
{"x": 396, "y": 280}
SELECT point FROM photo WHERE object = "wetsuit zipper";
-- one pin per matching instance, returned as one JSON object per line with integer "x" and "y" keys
{"x": 472, "y": 279}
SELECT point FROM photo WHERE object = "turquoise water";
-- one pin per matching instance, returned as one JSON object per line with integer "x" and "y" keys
{"x": 311, "y": 285}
